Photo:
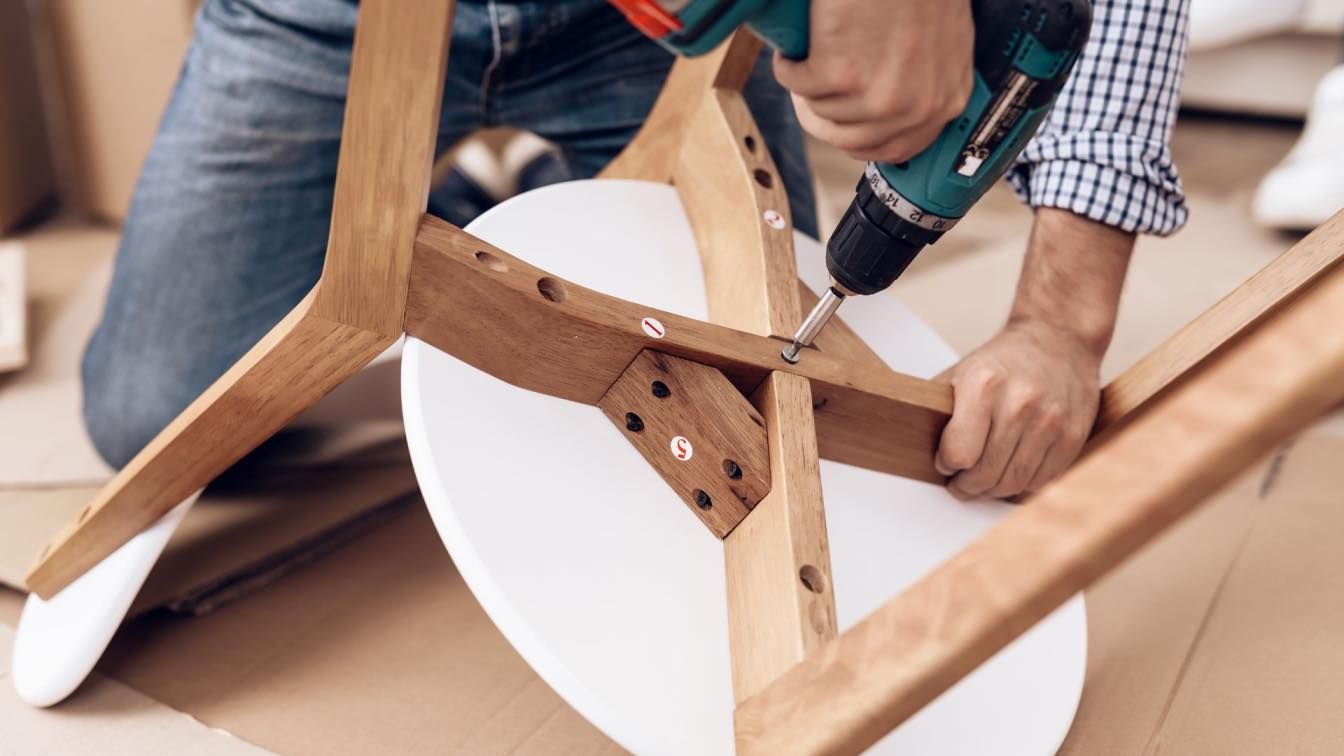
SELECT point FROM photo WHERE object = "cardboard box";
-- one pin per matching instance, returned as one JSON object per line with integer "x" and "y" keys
{"x": 116, "y": 64}
{"x": 119, "y": 719}
{"x": 26, "y": 176}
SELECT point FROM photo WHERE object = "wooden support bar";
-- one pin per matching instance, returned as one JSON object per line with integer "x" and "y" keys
{"x": 1286, "y": 371}
{"x": 1273, "y": 287}
{"x": 739, "y": 213}
{"x": 356, "y": 311}
{"x": 697, "y": 431}
{"x": 780, "y": 603}
{"x": 387, "y": 150}
{"x": 652, "y": 154}
{"x": 518, "y": 323}
{"x": 297, "y": 363}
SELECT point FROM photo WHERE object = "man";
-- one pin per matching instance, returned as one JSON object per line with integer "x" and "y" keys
{"x": 228, "y": 225}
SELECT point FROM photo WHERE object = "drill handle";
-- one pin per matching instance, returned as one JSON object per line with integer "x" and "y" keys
{"x": 784, "y": 25}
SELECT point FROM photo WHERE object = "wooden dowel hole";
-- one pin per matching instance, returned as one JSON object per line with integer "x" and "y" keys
{"x": 764, "y": 178}
{"x": 812, "y": 578}
{"x": 702, "y": 500}
{"x": 750, "y": 141}
{"x": 551, "y": 289}
{"x": 491, "y": 262}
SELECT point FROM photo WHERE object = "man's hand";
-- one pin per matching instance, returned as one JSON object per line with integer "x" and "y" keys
{"x": 882, "y": 78}
{"x": 1025, "y": 402}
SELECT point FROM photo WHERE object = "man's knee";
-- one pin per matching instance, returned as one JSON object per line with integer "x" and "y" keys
{"x": 126, "y": 402}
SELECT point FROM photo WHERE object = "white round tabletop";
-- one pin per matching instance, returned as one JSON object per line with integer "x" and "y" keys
{"x": 595, "y": 570}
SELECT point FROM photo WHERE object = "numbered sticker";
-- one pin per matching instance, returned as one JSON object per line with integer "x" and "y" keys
{"x": 653, "y": 327}
{"x": 773, "y": 219}
{"x": 681, "y": 448}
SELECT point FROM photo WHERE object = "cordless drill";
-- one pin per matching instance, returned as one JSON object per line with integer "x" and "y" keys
{"x": 1024, "y": 52}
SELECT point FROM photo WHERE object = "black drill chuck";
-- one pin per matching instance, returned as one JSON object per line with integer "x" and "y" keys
{"x": 872, "y": 246}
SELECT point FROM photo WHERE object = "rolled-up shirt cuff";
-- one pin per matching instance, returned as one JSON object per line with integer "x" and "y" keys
{"x": 1115, "y": 179}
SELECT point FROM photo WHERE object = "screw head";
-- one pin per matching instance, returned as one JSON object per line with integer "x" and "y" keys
{"x": 633, "y": 423}
{"x": 660, "y": 390}
{"x": 702, "y": 500}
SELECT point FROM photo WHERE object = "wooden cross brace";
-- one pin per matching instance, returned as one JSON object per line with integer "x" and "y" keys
{"x": 1226, "y": 389}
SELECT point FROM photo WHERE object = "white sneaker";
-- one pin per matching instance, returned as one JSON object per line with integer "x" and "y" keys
{"x": 1214, "y": 23}
{"x": 1304, "y": 190}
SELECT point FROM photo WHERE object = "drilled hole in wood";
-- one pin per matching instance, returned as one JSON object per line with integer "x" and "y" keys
{"x": 819, "y": 618}
{"x": 491, "y": 262}
{"x": 660, "y": 389}
{"x": 551, "y": 289}
{"x": 731, "y": 469}
{"x": 750, "y": 141}
{"x": 763, "y": 178}
{"x": 702, "y": 500}
{"x": 633, "y": 423}
{"x": 812, "y": 578}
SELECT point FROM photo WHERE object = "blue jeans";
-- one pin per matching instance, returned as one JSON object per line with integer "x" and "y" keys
{"x": 228, "y": 225}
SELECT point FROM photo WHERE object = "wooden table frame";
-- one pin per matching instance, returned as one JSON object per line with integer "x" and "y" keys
{"x": 1226, "y": 389}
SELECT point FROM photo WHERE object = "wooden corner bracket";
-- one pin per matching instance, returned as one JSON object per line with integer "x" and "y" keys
{"x": 1230, "y": 386}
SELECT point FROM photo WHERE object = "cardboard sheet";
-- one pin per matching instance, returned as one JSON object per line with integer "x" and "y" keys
{"x": 107, "y": 717}
{"x": 116, "y": 64}
{"x": 26, "y": 175}
{"x": 239, "y": 528}
{"x": 377, "y": 648}
{"x": 43, "y": 400}
{"x": 1223, "y": 636}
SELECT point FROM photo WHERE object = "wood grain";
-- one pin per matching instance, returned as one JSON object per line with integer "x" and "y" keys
{"x": 356, "y": 311}
{"x": 387, "y": 149}
{"x": 780, "y": 603}
{"x": 489, "y": 311}
{"x": 1286, "y": 371}
{"x": 1271, "y": 288}
{"x": 652, "y": 154}
{"x": 298, "y": 362}
{"x": 732, "y": 194}
{"x": 720, "y": 426}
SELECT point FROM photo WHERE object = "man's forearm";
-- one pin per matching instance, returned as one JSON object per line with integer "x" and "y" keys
{"x": 1072, "y": 277}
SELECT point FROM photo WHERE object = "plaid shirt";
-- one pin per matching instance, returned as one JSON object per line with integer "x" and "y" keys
{"x": 1102, "y": 152}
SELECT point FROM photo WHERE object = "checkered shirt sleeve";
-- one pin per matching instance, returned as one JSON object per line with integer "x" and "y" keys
{"x": 1103, "y": 151}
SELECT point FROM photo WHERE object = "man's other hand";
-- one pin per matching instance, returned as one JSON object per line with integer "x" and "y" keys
{"x": 1025, "y": 402}
{"x": 882, "y": 78}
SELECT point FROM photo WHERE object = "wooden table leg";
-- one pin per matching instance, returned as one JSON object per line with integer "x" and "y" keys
{"x": 356, "y": 311}
{"x": 780, "y": 604}
{"x": 297, "y": 363}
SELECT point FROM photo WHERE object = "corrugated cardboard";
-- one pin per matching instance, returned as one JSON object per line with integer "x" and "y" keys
{"x": 377, "y": 648}
{"x": 239, "y": 535}
{"x": 1220, "y": 638}
{"x": 26, "y": 176}
{"x": 117, "y": 719}
{"x": 116, "y": 63}
{"x": 1224, "y": 636}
